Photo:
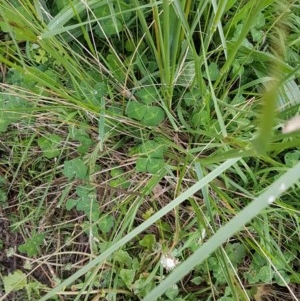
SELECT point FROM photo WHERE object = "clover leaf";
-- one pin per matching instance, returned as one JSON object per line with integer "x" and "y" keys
{"x": 147, "y": 114}
{"x": 151, "y": 165}
{"x": 83, "y": 137}
{"x": 50, "y": 145}
{"x": 11, "y": 108}
{"x": 151, "y": 157}
{"x": 119, "y": 180}
{"x": 75, "y": 168}
{"x": 106, "y": 223}
{"x": 154, "y": 116}
{"x": 136, "y": 110}
{"x": 85, "y": 202}
{"x": 32, "y": 245}
{"x": 146, "y": 95}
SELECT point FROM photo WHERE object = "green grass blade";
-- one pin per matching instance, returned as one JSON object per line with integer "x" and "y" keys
{"x": 101, "y": 123}
{"x": 219, "y": 11}
{"x": 254, "y": 10}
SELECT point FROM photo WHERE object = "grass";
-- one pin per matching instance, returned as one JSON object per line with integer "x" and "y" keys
{"x": 142, "y": 155}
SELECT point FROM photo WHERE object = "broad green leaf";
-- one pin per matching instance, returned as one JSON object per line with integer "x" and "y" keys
{"x": 257, "y": 35}
{"x": 115, "y": 66}
{"x": 108, "y": 28}
{"x": 123, "y": 257}
{"x": 41, "y": 56}
{"x": 89, "y": 207}
{"x": 136, "y": 110}
{"x": 147, "y": 114}
{"x": 265, "y": 274}
{"x": 100, "y": 89}
{"x": 152, "y": 149}
{"x": 85, "y": 191}
{"x": 282, "y": 278}
{"x": 196, "y": 119}
{"x": 151, "y": 165}
{"x": 16, "y": 22}
{"x": 85, "y": 144}
{"x": 93, "y": 93}
{"x": 75, "y": 168}
{"x": 148, "y": 241}
{"x": 123, "y": 9}
{"x": 116, "y": 172}
{"x": 251, "y": 276}
{"x": 106, "y": 223}
{"x": 151, "y": 157}
{"x": 90, "y": 228}
{"x": 213, "y": 71}
{"x": 3, "y": 197}
{"x": 77, "y": 133}
{"x": 118, "y": 179}
{"x": 147, "y": 95}
{"x": 154, "y": 116}
{"x": 102, "y": 11}
{"x": 258, "y": 259}
{"x": 127, "y": 275}
{"x": 11, "y": 109}
{"x": 291, "y": 158}
{"x": 50, "y": 145}
{"x": 15, "y": 281}
{"x": 260, "y": 20}
{"x": 83, "y": 137}
{"x": 71, "y": 203}
{"x": 62, "y": 4}
{"x": 197, "y": 280}
{"x": 172, "y": 292}
{"x": 130, "y": 46}
{"x": 86, "y": 202}
{"x": 155, "y": 165}
{"x": 141, "y": 165}
{"x": 32, "y": 245}
{"x": 236, "y": 252}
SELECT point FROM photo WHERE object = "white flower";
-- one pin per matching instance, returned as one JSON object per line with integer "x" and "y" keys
{"x": 169, "y": 262}
{"x": 292, "y": 125}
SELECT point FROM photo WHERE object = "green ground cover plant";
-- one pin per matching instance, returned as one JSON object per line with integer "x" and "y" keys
{"x": 149, "y": 150}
